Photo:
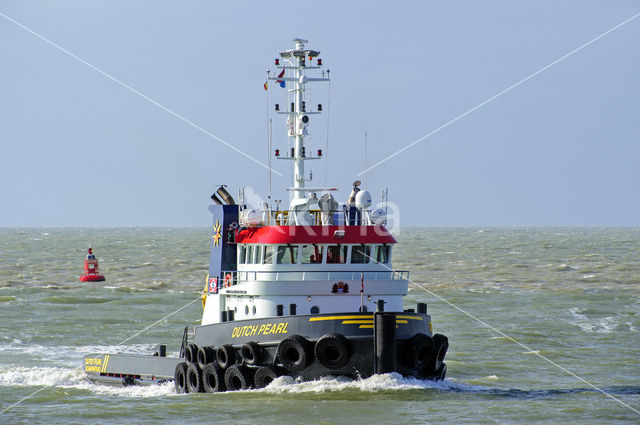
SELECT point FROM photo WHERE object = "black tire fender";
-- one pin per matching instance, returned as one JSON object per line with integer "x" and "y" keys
{"x": 418, "y": 352}
{"x": 213, "y": 378}
{"x": 440, "y": 347}
{"x": 333, "y": 351}
{"x": 441, "y": 373}
{"x": 295, "y": 353}
{"x": 265, "y": 375}
{"x": 191, "y": 354}
{"x": 194, "y": 378}
{"x": 226, "y": 356}
{"x": 251, "y": 353}
{"x": 180, "y": 378}
{"x": 237, "y": 377}
{"x": 205, "y": 356}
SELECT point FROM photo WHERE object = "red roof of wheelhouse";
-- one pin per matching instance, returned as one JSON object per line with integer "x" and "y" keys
{"x": 315, "y": 234}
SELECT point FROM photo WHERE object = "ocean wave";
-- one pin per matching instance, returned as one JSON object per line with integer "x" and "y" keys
{"x": 70, "y": 355}
{"x": 598, "y": 325}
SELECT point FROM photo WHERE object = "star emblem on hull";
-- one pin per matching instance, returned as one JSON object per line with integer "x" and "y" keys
{"x": 216, "y": 233}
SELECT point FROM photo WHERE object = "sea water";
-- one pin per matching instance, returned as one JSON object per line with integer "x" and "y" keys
{"x": 539, "y": 322}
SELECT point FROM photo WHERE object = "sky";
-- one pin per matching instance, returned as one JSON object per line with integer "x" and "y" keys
{"x": 560, "y": 149}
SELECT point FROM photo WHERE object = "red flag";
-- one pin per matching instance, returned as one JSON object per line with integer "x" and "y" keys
{"x": 281, "y": 82}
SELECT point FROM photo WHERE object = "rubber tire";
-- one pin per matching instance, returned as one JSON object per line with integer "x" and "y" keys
{"x": 237, "y": 377}
{"x": 180, "y": 378}
{"x": 194, "y": 378}
{"x": 333, "y": 351}
{"x": 213, "y": 379}
{"x": 205, "y": 356}
{"x": 191, "y": 353}
{"x": 294, "y": 353}
{"x": 226, "y": 356}
{"x": 440, "y": 347}
{"x": 251, "y": 353}
{"x": 418, "y": 352}
{"x": 265, "y": 375}
{"x": 441, "y": 373}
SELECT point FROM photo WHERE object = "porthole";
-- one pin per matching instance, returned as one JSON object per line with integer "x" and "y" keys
{"x": 254, "y": 310}
{"x": 246, "y": 310}
{"x": 315, "y": 309}
{"x": 235, "y": 310}
{"x": 363, "y": 309}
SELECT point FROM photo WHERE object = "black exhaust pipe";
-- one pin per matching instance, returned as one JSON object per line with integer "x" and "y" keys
{"x": 215, "y": 199}
{"x": 225, "y": 196}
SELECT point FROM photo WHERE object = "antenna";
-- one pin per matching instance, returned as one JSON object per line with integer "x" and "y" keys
{"x": 269, "y": 155}
{"x": 326, "y": 146}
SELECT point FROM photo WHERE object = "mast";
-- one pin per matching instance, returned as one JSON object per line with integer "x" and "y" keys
{"x": 299, "y": 86}
{"x": 298, "y": 112}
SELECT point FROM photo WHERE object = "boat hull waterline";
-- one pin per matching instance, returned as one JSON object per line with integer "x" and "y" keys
{"x": 355, "y": 345}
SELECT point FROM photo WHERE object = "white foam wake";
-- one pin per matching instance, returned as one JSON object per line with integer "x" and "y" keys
{"x": 37, "y": 376}
{"x": 74, "y": 378}
{"x": 592, "y": 325}
{"x": 389, "y": 381}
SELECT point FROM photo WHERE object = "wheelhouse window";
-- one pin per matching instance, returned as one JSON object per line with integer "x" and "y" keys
{"x": 382, "y": 254}
{"x": 242, "y": 254}
{"x": 311, "y": 254}
{"x": 249, "y": 254}
{"x": 267, "y": 254}
{"x": 336, "y": 254}
{"x": 360, "y": 254}
{"x": 287, "y": 254}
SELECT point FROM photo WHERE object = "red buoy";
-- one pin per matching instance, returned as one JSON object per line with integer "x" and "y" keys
{"x": 91, "y": 272}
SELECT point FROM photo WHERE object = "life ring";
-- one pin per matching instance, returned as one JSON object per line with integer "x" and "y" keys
{"x": 213, "y": 378}
{"x": 265, "y": 375}
{"x": 227, "y": 280}
{"x": 294, "y": 353}
{"x": 226, "y": 356}
{"x": 194, "y": 378}
{"x": 332, "y": 351}
{"x": 251, "y": 353}
{"x": 419, "y": 351}
{"x": 180, "y": 378}
{"x": 237, "y": 377}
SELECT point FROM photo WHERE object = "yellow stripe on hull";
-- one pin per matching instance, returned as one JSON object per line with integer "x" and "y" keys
{"x": 410, "y": 317}
{"x": 318, "y": 319}
{"x": 105, "y": 363}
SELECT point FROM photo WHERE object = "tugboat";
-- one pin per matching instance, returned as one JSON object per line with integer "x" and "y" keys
{"x": 91, "y": 270}
{"x": 302, "y": 292}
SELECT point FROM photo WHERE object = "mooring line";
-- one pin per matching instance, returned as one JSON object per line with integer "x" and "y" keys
{"x": 131, "y": 337}
{"x": 27, "y": 397}
{"x": 529, "y": 350}
{"x": 492, "y": 98}
{"x": 165, "y": 317}
{"x": 142, "y": 95}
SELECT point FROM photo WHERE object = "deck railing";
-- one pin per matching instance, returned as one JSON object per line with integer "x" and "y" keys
{"x": 232, "y": 277}
{"x": 342, "y": 217}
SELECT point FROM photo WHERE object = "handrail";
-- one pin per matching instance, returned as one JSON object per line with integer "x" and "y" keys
{"x": 281, "y": 217}
{"x": 233, "y": 277}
